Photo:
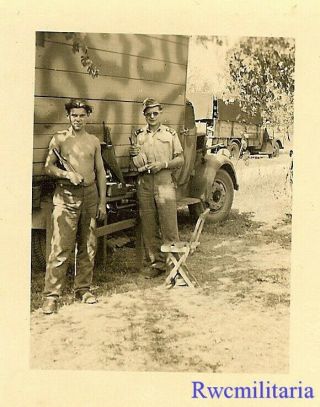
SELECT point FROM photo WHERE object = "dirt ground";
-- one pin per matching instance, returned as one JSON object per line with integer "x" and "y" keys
{"x": 237, "y": 321}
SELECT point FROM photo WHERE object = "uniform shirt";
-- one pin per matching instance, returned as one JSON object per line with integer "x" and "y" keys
{"x": 162, "y": 145}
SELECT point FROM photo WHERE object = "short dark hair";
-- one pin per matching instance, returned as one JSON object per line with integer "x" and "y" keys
{"x": 78, "y": 103}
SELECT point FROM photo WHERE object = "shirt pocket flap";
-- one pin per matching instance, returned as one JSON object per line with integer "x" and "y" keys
{"x": 165, "y": 138}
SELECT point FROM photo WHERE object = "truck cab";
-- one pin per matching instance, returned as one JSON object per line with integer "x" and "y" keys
{"x": 206, "y": 179}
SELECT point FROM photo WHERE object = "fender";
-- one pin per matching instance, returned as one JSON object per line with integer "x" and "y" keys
{"x": 277, "y": 140}
{"x": 206, "y": 169}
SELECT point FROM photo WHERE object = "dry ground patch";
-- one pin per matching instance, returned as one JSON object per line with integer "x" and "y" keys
{"x": 237, "y": 321}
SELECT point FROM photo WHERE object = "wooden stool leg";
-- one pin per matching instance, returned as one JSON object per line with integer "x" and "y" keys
{"x": 171, "y": 259}
{"x": 186, "y": 275}
{"x": 180, "y": 267}
{"x": 186, "y": 279}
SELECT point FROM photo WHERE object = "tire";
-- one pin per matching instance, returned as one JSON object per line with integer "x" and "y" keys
{"x": 234, "y": 150}
{"x": 38, "y": 250}
{"x": 276, "y": 150}
{"x": 221, "y": 196}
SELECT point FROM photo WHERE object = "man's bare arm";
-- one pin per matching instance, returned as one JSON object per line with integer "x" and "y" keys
{"x": 51, "y": 168}
{"x": 101, "y": 182}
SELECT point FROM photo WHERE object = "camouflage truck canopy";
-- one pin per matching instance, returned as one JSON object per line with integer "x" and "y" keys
{"x": 131, "y": 67}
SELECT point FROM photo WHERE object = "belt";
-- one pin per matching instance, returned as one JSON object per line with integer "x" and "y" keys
{"x": 68, "y": 184}
{"x": 163, "y": 171}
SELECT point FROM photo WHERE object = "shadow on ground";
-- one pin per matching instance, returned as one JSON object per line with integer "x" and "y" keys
{"x": 225, "y": 245}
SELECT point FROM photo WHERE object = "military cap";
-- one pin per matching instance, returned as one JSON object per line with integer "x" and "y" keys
{"x": 78, "y": 103}
{"x": 150, "y": 102}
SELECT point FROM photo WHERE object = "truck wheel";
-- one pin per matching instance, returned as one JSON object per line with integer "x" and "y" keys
{"x": 38, "y": 249}
{"x": 276, "y": 150}
{"x": 221, "y": 196}
{"x": 234, "y": 150}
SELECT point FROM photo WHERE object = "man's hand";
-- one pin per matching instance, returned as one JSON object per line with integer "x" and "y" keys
{"x": 134, "y": 150}
{"x": 101, "y": 212}
{"x": 74, "y": 177}
{"x": 155, "y": 167}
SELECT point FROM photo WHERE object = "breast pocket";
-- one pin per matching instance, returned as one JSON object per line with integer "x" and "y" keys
{"x": 164, "y": 148}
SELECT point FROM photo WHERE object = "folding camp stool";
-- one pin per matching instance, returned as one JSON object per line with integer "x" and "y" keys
{"x": 177, "y": 254}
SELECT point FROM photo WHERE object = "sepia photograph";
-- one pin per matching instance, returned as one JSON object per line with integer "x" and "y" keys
{"x": 160, "y": 204}
{"x": 162, "y": 177}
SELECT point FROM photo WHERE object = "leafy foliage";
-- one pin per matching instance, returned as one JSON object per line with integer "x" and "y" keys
{"x": 257, "y": 72}
{"x": 205, "y": 39}
{"x": 79, "y": 45}
{"x": 262, "y": 77}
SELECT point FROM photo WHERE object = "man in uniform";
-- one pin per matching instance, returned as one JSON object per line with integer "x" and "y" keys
{"x": 156, "y": 152}
{"x": 79, "y": 199}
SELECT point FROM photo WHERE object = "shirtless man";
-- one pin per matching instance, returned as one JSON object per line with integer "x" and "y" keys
{"x": 79, "y": 200}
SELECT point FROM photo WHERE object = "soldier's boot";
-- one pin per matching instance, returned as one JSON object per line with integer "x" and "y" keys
{"x": 50, "y": 305}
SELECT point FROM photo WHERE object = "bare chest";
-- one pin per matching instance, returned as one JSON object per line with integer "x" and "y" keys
{"x": 78, "y": 148}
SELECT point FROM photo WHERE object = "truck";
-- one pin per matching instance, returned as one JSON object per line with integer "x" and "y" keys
{"x": 131, "y": 68}
{"x": 235, "y": 129}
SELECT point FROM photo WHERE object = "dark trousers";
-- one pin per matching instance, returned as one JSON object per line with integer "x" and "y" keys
{"x": 158, "y": 216}
{"x": 73, "y": 221}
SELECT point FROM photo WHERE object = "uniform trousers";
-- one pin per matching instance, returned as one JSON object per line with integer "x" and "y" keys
{"x": 158, "y": 215}
{"x": 73, "y": 221}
